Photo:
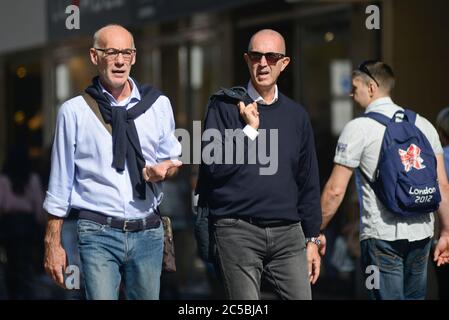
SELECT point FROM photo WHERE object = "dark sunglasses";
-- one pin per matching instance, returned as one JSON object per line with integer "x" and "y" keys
{"x": 363, "y": 68}
{"x": 272, "y": 57}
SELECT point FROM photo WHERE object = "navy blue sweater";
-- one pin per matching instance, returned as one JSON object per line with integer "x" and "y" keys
{"x": 292, "y": 193}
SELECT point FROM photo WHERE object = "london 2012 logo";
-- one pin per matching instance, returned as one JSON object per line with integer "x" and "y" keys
{"x": 411, "y": 158}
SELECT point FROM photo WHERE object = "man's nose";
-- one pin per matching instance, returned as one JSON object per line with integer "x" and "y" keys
{"x": 263, "y": 61}
{"x": 119, "y": 59}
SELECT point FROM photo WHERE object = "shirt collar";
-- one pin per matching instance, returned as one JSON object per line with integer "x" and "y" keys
{"x": 378, "y": 103}
{"x": 133, "y": 97}
{"x": 255, "y": 96}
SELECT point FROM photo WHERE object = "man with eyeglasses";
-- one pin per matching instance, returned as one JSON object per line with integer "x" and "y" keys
{"x": 398, "y": 247}
{"x": 113, "y": 147}
{"x": 264, "y": 225}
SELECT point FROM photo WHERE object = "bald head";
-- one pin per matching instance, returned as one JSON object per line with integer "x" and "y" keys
{"x": 102, "y": 35}
{"x": 268, "y": 35}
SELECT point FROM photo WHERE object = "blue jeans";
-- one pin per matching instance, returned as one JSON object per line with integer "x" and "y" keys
{"x": 402, "y": 268}
{"x": 246, "y": 252}
{"x": 110, "y": 256}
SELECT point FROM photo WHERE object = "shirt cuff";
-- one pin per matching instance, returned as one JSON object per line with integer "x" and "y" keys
{"x": 250, "y": 132}
{"x": 55, "y": 206}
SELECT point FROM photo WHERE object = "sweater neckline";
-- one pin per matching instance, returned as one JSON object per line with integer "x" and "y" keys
{"x": 272, "y": 106}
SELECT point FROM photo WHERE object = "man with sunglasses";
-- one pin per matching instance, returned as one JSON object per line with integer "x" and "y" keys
{"x": 113, "y": 147}
{"x": 264, "y": 225}
{"x": 396, "y": 246}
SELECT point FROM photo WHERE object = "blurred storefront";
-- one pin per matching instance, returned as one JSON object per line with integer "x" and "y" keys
{"x": 190, "y": 49}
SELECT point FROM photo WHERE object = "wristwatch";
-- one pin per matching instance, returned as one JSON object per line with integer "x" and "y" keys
{"x": 314, "y": 240}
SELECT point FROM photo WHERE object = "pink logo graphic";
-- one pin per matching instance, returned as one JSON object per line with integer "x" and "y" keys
{"x": 411, "y": 158}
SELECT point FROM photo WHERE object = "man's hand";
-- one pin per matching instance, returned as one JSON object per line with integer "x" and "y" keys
{"x": 441, "y": 254}
{"x": 55, "y": 263}
{"x": 250, "y": 114}
{"x": 314, "y": 262}
{"x": 322, "y": 247}
{"x": 160, "y": 171}
{"x": 55, "y": 258}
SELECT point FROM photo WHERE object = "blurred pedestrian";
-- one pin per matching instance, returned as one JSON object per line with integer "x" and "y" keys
{"x": 397, "y": 245}
{"x": 21, "y": 198}
{"x": 442, "y": 125}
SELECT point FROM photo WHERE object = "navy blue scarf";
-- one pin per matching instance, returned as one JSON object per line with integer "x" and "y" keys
{"x": 125, "y": 139}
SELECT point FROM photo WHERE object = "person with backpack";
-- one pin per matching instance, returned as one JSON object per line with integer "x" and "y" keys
{"x": 401, "y": 181}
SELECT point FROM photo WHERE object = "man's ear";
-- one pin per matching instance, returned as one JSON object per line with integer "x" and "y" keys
{"x": 134, "y": 59}
{"x": 285, "y": 62}
{"x": 372, "y": 88}
{"x": 246, "y": 57}
{"x": 93, "y": 56}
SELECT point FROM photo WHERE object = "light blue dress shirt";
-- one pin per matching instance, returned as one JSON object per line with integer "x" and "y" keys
{"x": 82, "y": 175}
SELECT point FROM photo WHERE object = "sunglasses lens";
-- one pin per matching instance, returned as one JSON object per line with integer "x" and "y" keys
{"x": 255, "y": 56}
{"x": 272, "y": 57}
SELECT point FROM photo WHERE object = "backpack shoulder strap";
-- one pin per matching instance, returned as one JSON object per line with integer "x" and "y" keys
{"x": 96, "y": 110}
{"x": 411, "y": 115}
{"x": 378, "y": 117}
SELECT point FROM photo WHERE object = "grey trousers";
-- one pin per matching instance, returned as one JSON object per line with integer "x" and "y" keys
{"x": 246, "y": 252}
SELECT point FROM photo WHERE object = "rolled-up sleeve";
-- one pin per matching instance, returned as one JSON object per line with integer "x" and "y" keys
{"x": 57, "y": 200}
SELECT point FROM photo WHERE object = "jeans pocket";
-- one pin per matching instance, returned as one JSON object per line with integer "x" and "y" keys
{"x": 89, "y": 227}
{"x": 226, "y": 222}
{"x": 386, "y": 261}
{"x": 299, "y": 232}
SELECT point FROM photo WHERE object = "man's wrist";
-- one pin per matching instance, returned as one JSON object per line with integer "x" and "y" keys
{"x": 314, "y": 240}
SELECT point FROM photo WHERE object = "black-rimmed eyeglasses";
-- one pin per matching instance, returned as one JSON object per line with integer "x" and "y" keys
{"x": 271, "y": 57}
{"x": 363, "y": 68}
{"x": 112, "y": 54}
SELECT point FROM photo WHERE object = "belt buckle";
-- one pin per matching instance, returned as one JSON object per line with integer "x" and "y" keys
{"x": 125, "y": 226}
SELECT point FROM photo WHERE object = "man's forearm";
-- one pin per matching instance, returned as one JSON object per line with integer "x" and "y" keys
{"x": 330, "y": 201}
{"x": 334, "y": 192}
{"x": 53, "y": 230}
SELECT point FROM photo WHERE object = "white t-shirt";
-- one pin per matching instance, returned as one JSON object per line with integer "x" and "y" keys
{"x": 359, "y": 147}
